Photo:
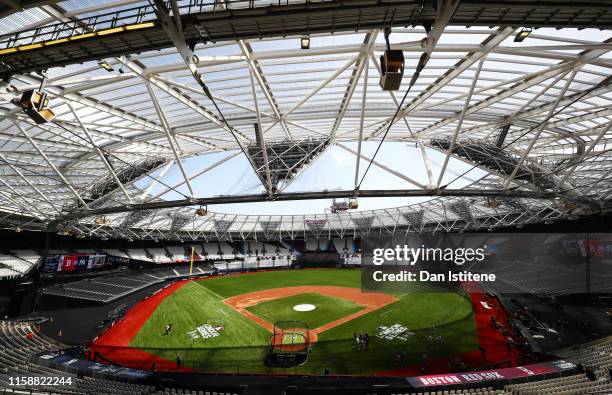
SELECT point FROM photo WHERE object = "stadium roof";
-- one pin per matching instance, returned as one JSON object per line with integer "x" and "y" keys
{"x": 531, "y": 119}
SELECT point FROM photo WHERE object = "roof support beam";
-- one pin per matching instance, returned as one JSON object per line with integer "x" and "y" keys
{"x": 385, "y": 168}
{"x": 539, "y": 129}
{"x": 27, "y": 207}
{"x": 153, "y": 80}
{"x": 364, "y": 93}
{"x": 468, "y": 98}
{"x": 321, "y": 86}
{"x": 604, "y": 130}
{"x": 366, "y": 50}
{"x": 51, "y": 164}
{"x": 155, "y": 181}
{"x": 255, "y": 68}
{"x": 169, "y": 135}
{"x": 100, "y": 154}
{"x": 30, "y": 184}
{"x": 529, "y": 80}
{"x": 312, "y": 196}
{"x": 205, "y": 170}
{"x": 261, "y": 138}
{"x": 487, "y": 46}
{"x": 534, "y": 112}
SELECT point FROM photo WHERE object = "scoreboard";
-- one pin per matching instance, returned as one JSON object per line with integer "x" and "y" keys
{"x": 71, "y": 263}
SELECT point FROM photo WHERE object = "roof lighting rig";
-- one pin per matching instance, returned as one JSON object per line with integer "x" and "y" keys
{"x": 391, "y": 66}
{"x": 343, "y": 205}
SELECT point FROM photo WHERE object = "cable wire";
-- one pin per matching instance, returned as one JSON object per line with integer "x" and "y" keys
{"x": 95, "y": 146}
{"x": 415, "y": 76}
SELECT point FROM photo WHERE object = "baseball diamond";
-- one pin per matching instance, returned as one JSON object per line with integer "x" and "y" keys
{"x": 250, "y": 305}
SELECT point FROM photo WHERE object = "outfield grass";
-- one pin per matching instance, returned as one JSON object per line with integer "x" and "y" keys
{"x": 229, "y": 286}
{"x": 243, "y": 344}
{"x": 328, "y": 309}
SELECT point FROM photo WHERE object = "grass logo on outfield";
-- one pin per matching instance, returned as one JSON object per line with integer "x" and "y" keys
{"x": 393, "y": 332}
{"x": 210, "y": 329}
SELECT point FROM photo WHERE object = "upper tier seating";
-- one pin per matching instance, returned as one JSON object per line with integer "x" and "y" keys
{"x": 314, "y": 244}
{"x": 27, "y": 255}
{"x": 17, "y": 265}
{"x": 212, "y": 251}
{"x": 107, "y": 288}
{"x": 227, "y": 251}
{"x": 178, "y": 252}
{"x": 547, "y": 278}
{"x": 6, "y": 272}
{"x": 139, "y": 254}
{"x": 159, "y": 255}
{"x": 116, "y": 253}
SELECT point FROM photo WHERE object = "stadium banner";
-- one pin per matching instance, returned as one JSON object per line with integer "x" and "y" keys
{"x": 485, "y": 376}
{"x": 52, "y": 264}
{"x": 96, "y": 261}
{"x": 72, "y": 263}
{"x": 69, "y": 263}
{"x": 555, "y": 263}
{"x": 82, "y": 261}
{"x": 68, "y": 362}
{"x": 114, "y": 261}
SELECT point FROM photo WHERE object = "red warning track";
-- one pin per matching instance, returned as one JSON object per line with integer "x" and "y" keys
{"x": 493, "y": 341}
{"x": 114, "y": 344}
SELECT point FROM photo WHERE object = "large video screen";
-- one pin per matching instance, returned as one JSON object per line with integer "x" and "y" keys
{"x": 71, "y": 263}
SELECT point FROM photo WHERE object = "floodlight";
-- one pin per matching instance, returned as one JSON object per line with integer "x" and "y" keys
{"x": 105, "y": 65}
{"x": 522, "y": 35}
{"x": 492, "y": 202}
{"x": 36, "y": 105}
{"x": 102, "y": 220}
{"x": 392, "y": 69}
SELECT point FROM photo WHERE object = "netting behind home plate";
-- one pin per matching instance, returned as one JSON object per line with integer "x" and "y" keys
{"x": 289, "y": 344}
{"x": 289, "y": 337}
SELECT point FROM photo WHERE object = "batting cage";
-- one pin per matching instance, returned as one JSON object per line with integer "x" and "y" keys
{"x": 289, "y": 343}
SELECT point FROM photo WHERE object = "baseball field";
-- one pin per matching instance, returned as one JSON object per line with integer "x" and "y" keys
{"x": 224, "y": 324}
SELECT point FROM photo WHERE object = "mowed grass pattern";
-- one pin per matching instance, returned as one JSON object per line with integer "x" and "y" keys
{"x": 243, "y": 345}
{"x": 242, "y": 339}
{"x": 229, "y": 286}
{"x": 327, "y": 309}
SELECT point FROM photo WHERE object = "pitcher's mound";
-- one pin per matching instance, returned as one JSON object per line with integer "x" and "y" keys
{"x": 304, "y": 307}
